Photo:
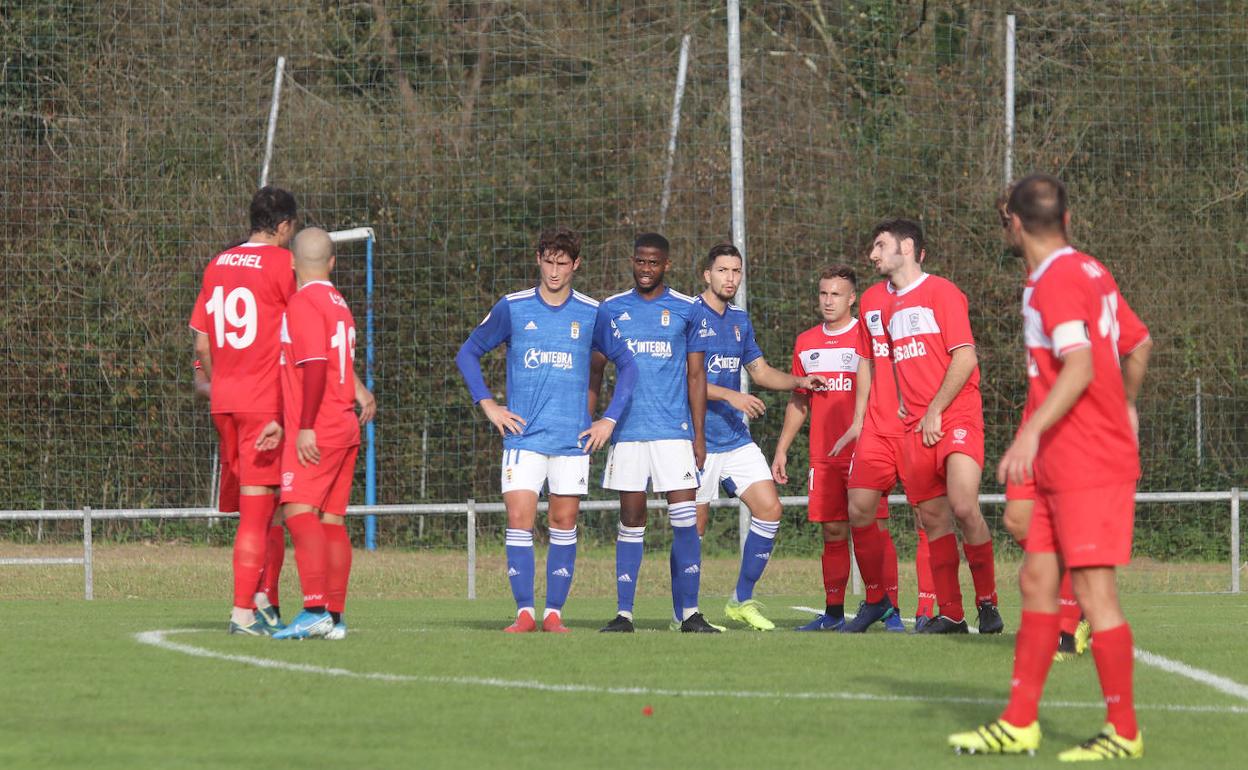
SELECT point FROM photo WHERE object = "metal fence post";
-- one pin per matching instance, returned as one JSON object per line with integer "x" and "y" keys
{"x": 472, "y": 548}
{"x": 88, "y": 571}
{"x": 1235, "y": 540}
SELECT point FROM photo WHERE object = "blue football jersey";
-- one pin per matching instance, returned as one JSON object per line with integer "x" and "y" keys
{"x": 730, "y": 345}
{"x": 548, "y": 360}
{"x": 660, "y": 333}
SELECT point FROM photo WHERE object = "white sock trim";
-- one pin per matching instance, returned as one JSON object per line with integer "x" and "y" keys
{"x": 522, "y": 538}
{"x": 767, "y": 529}
{"x": 563, "y": 536}
{"x": 551, "y": 611}
{"x": 631, "y": 534}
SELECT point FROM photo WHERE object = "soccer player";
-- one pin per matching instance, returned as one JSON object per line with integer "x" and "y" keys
{"x": 928, "y": 331}
{"x": 733, "y": 460}
{"x": 659, "y": 441}
{"x": 236, "y": 320}
{"x": 1079, "y": 444}
{"x": 875, "y": 470}
{"x": 551, "y": 332}
{"x": 838, "y": 349}
{"x": 318, "y": 465}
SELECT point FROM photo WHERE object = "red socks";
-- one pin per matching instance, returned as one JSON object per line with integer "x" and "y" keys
{"x": 1069, "y": 611}
{"x": 308, "y": 535}
{"x": 869, "y": 551}
{"x": 338, "y": 553}
{"x": 835, "y": 570}
{"x": 254, "y": 514}
{"x": 1033, "y": 655}
{"x": 274, "y": 557}
{"x": 1115, "y": 657}
{"x": 890, "y": 566}
{"x": 944, "y": 556}
{"x": 923, "y": 571}
{"x": 983, "y": 575}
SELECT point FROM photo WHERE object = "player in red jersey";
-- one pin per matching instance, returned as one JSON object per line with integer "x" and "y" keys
{"x": 928, "y": 331}
{"x": 1079, "y": 444}
{"x": 318, "y": 390}
{"x": 838, "y": 350}
{"x": 236, "y": 320}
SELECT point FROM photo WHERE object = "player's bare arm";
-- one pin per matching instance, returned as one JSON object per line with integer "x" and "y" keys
{"x": 961, "y": 367}
{"x": 695, "y": 363}
{"x": 203, "y": 351}
{"x": 767, "y": 376}
{"x": 364, "y": 400}
{"x": 862, "y": 390}
{"x": 748, "y": 403}
{"x": 794, "y": 417}
{"x": 1134, "y": 366}
{"x": 1072, "y": 381}
{"x": 203, "y": 386}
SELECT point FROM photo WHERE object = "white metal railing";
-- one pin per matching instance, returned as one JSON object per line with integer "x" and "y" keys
{"x": 471, "y": 508}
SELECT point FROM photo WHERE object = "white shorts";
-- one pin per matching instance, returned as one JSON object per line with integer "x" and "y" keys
{"x": 666, "y": 465}
{"x": 737, "y": 469}
{"x": 563, "y": 474}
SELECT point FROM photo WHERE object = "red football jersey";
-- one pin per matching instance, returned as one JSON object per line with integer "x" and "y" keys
{"x": 318, "y": 326}
{"x": 239, "y": 307}
{"x": 1075, "y": 303}
{"x": 835, "y": 355}
{"x": 882, "y": 404}
{"x": 924, "y": 323}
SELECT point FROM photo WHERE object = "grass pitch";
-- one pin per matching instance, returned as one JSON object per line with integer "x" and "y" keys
{"x": 431, "y": 682}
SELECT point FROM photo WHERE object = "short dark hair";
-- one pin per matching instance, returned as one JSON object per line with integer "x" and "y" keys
{"x": 652, "y": 241}
{"x": 901, "y": 229}
{"x": 560, "y": 239}
{"x": 840, "y": 271}
{"x": 720, "y": 250}
{"x": 1039, "y": 201}
{"x": 270, "y": 207}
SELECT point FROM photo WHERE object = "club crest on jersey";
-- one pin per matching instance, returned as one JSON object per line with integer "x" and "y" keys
{"x": 576, "y": 330}
{"x": 914, "y": 322}
{"x": 666, "y": 318}
{"x": 737, "y": 331}
{"x": 847, "y": 358}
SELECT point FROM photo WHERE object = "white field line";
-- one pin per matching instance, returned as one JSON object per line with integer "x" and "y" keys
{"x": 158, "y": 639}
{"x": 1220, "y": 683}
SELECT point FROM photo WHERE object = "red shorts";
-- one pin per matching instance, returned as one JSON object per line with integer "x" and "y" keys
{"x": 828, "y": 494}
{"x": 1024, "y": 491}
{"x": 227, "y": 489}
{"x": 325, "y": 486}
{"x": 923, "y": 467}
{"x": 1089, "y": 527}
{"x": 239, "y": 459}
{"x": 877, "y": 458}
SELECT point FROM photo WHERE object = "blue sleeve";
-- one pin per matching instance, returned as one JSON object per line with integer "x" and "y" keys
{"x": 606, "y": 334}
{"x": 609, "y": 342}
{"x": 695, "y": 342}
{"x": 750, "y": 346}
{"x": 489, "y": 334}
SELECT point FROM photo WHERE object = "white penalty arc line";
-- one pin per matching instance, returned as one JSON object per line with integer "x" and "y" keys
{"x": 159, "y": 639}
{"x": 1179, "y": 668}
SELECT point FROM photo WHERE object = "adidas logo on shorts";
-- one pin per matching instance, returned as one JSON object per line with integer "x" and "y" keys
{"x": 688, "y": 476}
{"x": 561, "y": 572}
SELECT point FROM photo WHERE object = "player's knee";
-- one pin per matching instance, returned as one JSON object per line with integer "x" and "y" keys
{"x": 1015, "y": 525}
{"x": 633, "y": 518}
{"x": 769, "y": 511}
{"x": 835, "y": 531}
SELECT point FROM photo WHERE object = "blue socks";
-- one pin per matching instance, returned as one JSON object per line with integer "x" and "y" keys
{"x": 560, "y": 564}
{"x": 629, "y": 544}
{"x": 520, "y": 568}
{"x": 686, "y": 558}
{"x": 758, "y": 545}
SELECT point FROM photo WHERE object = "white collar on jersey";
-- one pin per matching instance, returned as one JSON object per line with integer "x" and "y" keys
{"x": 903, "y": 292}
{"x": 1039, "y": 271}
{"x": 842, "y": 330}
{"x": 249, "y": 245}
{"x": 313, "y": 283}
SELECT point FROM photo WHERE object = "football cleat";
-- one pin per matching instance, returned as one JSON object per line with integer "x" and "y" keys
{"x": 553, "y": 624}
{"x": 998, "y": 737}
{"x": 307, "y": 625}
{"x": 618, "y": 625}
{"x": 269, "y": 618}
{"x": 892, "y": 622}
{"x": 868, "y": 615}
{"x": 921, "y": 621}
{"x": 256, "y": 628}
{"x": 697, "y": 624}
{"x": 338, "y": 632}
{"x": 749, "y": 612}
{"x": 1083, "y": 633}
{"x": 1107, "y": 744}
{"x": 523, "y": 625}
{"x": 1065, "y": 647}
{"x": 990, "y": 619}
{"x": 944, "y": 625}
{"x": 823, "y": 623}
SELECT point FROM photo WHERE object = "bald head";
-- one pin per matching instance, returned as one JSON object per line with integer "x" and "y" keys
{"x": 1039, "y": 202}
{"x": 314, "y": 254}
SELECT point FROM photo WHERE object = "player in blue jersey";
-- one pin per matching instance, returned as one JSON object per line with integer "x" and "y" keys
{"x": 733, "y": 460}
{"x": 659, "y": 440}
{"x": 551, "y": 332}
